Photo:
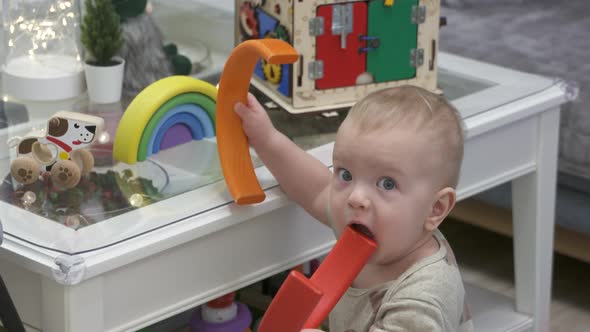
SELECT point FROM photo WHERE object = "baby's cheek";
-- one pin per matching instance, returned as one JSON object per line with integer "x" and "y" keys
{"x": 339, "y": 185}
{"x": 336, "y": 204}
{"x": 336, "y": 214}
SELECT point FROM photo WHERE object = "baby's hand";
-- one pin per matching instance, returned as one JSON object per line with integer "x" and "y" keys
{"x": 311, "y": 330}
{"x": 255, "y": 122}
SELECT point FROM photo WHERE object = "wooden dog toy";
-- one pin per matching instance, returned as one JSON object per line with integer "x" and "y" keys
{"x": 60, "y": 149}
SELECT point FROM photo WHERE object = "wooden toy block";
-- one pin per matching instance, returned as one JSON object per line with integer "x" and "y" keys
{"x": 293, "y": 304}
{"x": 347, "y": 49}
{"x": 167, "y": 104}
{"x": 232, "y": 144}
{"x": 303, "y": 303}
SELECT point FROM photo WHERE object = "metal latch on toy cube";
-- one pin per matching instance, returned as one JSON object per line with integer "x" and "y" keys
{"x": 342, "y": 22}
{"x": 416, "y": 57}
{"x": 418, "y": 14}
{"x": 316, "y": 26}
{"x": 372, "y": 43}
{"x": 316, "y": 70}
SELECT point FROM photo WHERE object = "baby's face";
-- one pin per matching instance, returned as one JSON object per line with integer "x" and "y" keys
{"x": 384, "y": 181}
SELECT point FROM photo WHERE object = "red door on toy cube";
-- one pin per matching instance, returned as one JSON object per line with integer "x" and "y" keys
{"x": 337, "y": 48}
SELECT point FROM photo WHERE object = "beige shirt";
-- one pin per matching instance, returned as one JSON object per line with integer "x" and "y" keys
{"x": 429, "y": 296}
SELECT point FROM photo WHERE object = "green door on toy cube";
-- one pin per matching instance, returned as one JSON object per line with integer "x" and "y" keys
{"x": 397, "y": 36}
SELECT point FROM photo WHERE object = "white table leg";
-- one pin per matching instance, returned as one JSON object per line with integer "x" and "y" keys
{"x": 72, "y": 308}
{"x": 533, "y": 201}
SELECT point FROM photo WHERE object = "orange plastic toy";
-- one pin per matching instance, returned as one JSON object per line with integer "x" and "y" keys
{"x": 232, "y": 144}
{"x": 301, "y": 303}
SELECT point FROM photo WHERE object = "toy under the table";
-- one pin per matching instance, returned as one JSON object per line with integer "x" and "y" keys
{"x": 222, "y": 315}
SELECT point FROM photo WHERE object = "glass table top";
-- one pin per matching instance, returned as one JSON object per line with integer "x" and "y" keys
{"x": 117, "y": 201}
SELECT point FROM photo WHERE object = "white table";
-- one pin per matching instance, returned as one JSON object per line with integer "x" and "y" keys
{"x": 154, "y": 262}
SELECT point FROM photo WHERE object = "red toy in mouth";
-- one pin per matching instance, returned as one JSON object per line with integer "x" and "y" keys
{"x": 76, "y": 142}
{"x": 364, "y": 230}
{"x": 305, "y": 303}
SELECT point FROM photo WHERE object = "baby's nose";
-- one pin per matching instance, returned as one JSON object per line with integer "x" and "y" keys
{"x": 358, "y": 199}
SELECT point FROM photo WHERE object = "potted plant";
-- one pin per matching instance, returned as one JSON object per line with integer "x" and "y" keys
{"x": 102, "y": 38}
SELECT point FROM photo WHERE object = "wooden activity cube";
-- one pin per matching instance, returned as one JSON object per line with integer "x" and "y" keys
{"x": 347, "y": 48}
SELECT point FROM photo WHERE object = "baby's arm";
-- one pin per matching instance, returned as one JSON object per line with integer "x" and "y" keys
{"x": 303, "y": 178}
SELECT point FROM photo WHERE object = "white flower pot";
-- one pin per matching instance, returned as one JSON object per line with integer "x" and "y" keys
{"x": 105, "y": 84}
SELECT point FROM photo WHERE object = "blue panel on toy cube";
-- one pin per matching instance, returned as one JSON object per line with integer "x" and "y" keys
{"x": 258, "y": 70}
{"x": 266, "y": 23}
{"x": 285, "y": 83}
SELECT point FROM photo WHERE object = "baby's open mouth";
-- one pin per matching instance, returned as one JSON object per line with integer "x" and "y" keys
{"x": 363, "y": 230}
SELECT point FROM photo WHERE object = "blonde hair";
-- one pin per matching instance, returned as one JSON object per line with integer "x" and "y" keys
{"x": 408, "y": 104}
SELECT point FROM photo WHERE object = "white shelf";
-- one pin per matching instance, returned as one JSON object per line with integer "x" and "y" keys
{"x": 493, "y": 312}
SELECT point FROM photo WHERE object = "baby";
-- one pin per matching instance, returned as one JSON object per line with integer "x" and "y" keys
{"x": 396, "y": 163}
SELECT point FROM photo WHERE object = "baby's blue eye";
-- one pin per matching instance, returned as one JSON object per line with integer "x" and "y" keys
{"x": 386, "y": 183}
{"x": 344, "y": 175}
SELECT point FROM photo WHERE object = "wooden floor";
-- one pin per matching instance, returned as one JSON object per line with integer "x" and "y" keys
{"x": 486, "y": 260}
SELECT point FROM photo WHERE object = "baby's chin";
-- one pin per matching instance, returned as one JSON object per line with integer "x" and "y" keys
{"x": 373, "y": 259}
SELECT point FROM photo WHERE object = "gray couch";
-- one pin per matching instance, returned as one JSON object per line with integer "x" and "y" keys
{"x": 523, "y": 34}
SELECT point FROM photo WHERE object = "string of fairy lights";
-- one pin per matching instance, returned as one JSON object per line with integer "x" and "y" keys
{"x": 38, "y": 27}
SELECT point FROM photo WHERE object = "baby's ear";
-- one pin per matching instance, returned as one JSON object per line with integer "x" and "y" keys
{"x": 443, "y": 204}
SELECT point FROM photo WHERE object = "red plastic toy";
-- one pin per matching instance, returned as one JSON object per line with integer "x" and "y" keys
{"x": 305, "y": 303}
